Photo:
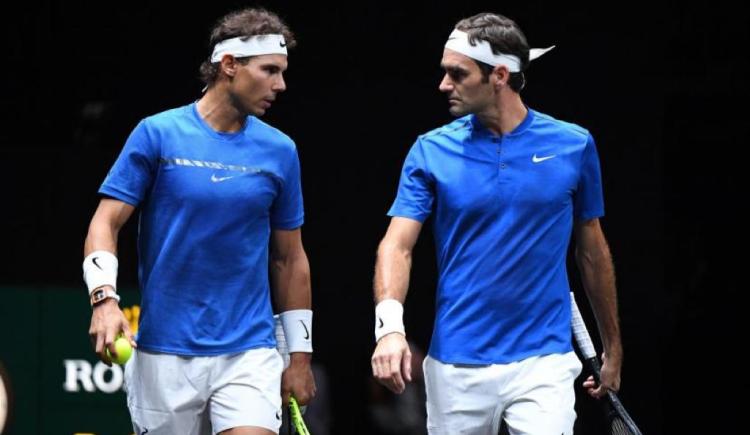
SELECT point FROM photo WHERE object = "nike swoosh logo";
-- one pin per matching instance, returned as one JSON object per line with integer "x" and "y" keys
{"x": 216, "y": 179}
{"x": 282, "y": 44}
{"x": 536, "y": 159}
{"x": 307, "y": 333}
{"x": 381, "y": 322}
{"x": 93, "y": 260}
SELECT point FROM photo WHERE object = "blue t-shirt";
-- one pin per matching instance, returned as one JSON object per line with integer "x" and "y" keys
{"x": 503, "y": 210}
{"x": 208, "y": 203}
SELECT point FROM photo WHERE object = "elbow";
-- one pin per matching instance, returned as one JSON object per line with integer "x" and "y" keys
{"x": 583, "y": 258}
{"x": 593, "y": 256}
{"x": 276, "y": 264}
{"x": 103, "y": 224}
{"x": 390, "y": 248}
{"x": 99, "y": 232}
{"x": 280, "y": 260}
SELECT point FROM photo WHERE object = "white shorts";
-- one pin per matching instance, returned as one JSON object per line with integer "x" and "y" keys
{"x": 172, "y": 394}
{"x": 533, "y": 396}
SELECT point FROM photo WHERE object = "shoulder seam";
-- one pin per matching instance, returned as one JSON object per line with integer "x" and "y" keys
{"x": 445, "y": 129}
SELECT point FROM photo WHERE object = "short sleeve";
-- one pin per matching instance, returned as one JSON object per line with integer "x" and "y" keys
{"x": 288, "y": 211}
{"x": 589, "y": 199}
{"x": 135, "y": 168}
{"x": 415, "y": 194}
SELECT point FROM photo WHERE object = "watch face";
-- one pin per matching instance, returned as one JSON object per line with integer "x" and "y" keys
{"x": 97, "y": 296}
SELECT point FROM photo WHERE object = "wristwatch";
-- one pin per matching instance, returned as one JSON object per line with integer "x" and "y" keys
{"x": 101, "y": 294}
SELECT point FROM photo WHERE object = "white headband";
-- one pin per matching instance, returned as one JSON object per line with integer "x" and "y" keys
{"x": 482, "y": 51}
{"x": 243, "y": 46}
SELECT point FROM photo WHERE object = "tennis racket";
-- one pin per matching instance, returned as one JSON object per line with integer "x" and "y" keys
{"x": 620, "y": 422}
{"x": 296, "y": 417}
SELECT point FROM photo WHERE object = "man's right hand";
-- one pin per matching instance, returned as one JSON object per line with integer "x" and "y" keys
{"x": 609, "y": 376}
{"x": 391, "y": 362}
{"x": 107, "y": 321}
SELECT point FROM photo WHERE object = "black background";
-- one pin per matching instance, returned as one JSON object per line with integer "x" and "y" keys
{"x": 661, "y": 88}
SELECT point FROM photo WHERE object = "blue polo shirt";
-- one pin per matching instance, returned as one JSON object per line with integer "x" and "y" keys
{"x": 503, "y": 210}
{"x": 208, "y": 203}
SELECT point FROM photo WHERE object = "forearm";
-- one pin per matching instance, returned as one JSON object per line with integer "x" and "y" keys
{"x": 392, "y": 270}
{"x": 101, "y": 237}
{"x": 290, "y": 278}
{"x": 100, "y": 250}
{"x": 100, "y": 272}
{"x": 108, "y": 219}
{"x": 598, "y": 277}
{"x": 391, "y": 360}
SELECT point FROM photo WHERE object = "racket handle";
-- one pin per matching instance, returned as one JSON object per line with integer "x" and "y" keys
{"x": 596, "y": 369}
{"x": 296, "y": 414}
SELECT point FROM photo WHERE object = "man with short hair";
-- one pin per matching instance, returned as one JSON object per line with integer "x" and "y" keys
{"x": 506, "y": 186}
{"x": 215, "y": 185}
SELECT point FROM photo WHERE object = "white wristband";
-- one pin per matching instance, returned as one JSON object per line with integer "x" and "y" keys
{"x": 100, "y": 268}
{"x": 298, "y": 330}
{"x": 389, "y": 317}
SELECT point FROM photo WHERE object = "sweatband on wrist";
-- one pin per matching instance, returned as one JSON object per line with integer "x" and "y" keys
{"x": 389, "y": 317}
{"x": 100, "y": 268}
{"x": 298, "y": 330}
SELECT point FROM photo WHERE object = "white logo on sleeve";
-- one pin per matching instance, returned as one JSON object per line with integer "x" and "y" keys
{"x": 216, "y": 179}
{"x": 536, "y": 159}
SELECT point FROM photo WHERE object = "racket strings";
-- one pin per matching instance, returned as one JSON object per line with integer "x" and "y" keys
{"x": 618, "y": 427}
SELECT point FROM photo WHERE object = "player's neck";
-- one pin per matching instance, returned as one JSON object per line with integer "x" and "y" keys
{"x": 216, "y": 109}
{"x": 505, "y": 115}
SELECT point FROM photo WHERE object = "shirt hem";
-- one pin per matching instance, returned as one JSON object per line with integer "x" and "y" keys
{"x": 457, "y": 359}
{"x": 288, "y": 225}
{"x": 122, "y": 196}
{"x": 417, "y": 217}
{"x": 213, "y": 352}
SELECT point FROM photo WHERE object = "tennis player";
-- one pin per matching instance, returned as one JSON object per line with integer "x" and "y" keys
{"x": 215, "y": 186}
{"x": 506, "y": 186}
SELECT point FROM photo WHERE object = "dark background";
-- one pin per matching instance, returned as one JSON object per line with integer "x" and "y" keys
{"x": 658, "y": 86}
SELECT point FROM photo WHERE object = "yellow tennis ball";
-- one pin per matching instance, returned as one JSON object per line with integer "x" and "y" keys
{"x": 123, "y": 349}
